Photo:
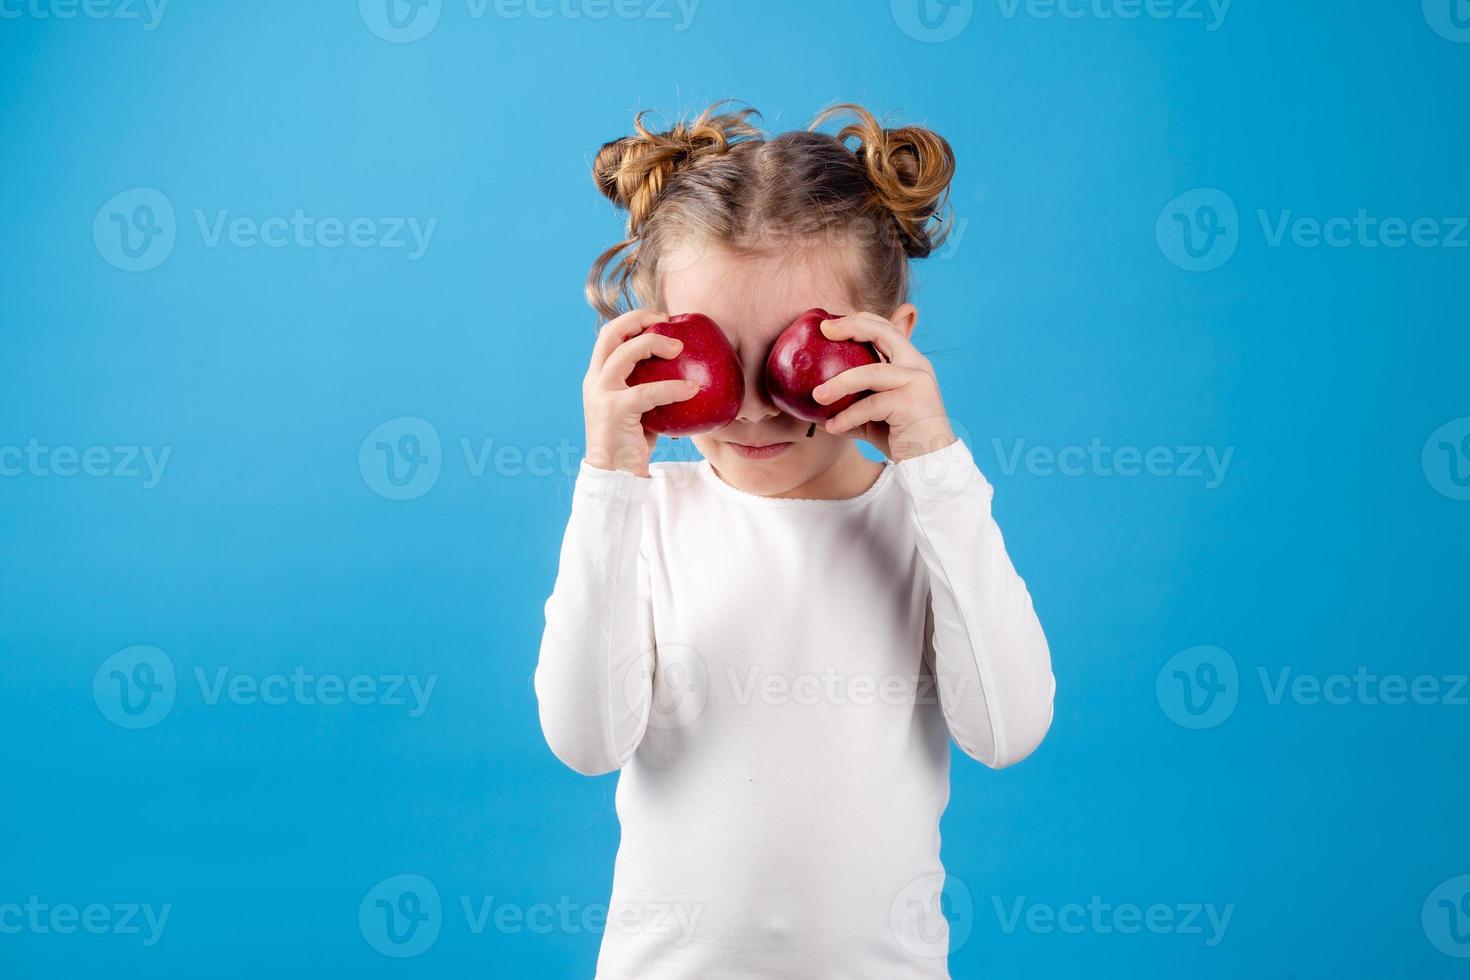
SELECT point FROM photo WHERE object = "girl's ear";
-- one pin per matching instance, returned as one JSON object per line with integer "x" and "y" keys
{"x": 904, "y": 318}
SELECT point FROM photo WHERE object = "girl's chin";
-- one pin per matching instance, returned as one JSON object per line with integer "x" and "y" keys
{"x": 776, "y": 474}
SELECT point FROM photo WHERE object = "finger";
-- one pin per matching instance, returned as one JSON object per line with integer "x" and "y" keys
{"x": 642, "y": 398}
{"x": 867, "y": 377}
{"x": 619, "y": 329}
{"x": 874, "y": 408}
{"x": 625, "y": 356}
{"x": 874, "y": 329}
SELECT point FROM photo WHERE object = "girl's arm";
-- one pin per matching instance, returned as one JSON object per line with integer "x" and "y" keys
{"x": 593, "y": 678}
{"x": 989, "y": 656}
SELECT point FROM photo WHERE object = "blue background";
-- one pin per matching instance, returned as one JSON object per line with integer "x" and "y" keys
{"x": 1057, "y": 317}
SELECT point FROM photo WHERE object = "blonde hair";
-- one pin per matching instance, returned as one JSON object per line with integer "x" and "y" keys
{"x": 719, "y": 180}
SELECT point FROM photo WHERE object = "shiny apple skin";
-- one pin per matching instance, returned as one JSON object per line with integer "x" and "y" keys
{"x": 708, "y": 359}
{"x": 802, "y": 358}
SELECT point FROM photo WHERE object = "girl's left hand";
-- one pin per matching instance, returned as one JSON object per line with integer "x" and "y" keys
{"x": 904, "y": 417}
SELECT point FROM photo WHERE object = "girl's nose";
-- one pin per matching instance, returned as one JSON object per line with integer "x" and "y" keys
{"x": 757, "y": 405}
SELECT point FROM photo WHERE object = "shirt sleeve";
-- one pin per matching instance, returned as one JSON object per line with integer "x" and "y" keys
{"x": 990, "y": 658}
{"x": 593, "y": 677}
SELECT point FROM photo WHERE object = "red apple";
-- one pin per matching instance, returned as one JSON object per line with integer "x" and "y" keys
{"x": 707, "y": 358}
{"x": 802, "y": 358}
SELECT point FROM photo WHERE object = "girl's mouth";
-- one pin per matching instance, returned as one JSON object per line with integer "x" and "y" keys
{"x": 768, "y": 451}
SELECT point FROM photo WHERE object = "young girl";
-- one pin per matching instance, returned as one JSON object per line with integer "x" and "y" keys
{"x": 773, "y": 643}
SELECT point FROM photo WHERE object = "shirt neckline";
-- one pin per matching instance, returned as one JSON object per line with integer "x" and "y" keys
{"x": 707, "y": 471}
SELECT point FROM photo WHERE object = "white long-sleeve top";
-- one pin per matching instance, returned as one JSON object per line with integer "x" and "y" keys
{"x": 776, "y": 679}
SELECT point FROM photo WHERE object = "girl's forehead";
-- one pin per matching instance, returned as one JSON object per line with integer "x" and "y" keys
{"x": 752, "y": 297}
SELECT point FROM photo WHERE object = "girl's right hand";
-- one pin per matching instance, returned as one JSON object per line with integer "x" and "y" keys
{"x": 616, "y": 439}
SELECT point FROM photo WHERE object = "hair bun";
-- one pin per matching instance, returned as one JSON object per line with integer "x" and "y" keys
{"x": 631, "y": 171}
{"x": 910, "y": 169}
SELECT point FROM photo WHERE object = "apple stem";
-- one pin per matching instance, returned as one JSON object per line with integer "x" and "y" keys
{"x": 811, "y": 430}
